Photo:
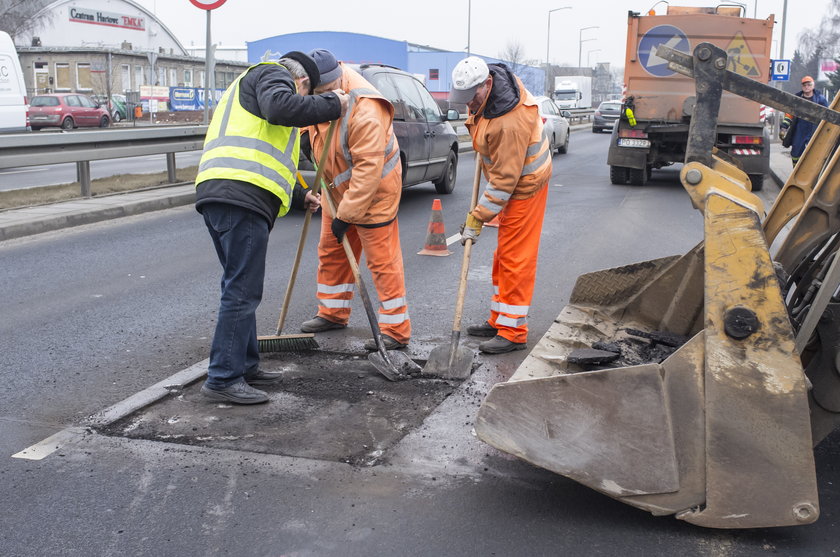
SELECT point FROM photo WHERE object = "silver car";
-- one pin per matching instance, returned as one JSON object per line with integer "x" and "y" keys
{"x": 555, "y": 123}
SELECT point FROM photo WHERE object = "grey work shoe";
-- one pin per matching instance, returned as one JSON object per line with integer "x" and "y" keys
{"x": 263, "y": 377}
{"x": 390, "y": 343}
{"x": 483, "y": 330}
{"x": 318, "y": 325}
{"x": 238, "y": 393}
{"x": 500, "y": 345}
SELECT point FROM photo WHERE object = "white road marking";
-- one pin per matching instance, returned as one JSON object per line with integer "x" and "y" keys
{"x": 22, "y": 171}
{"x": 48, "y": 446}
{"x": 452, "y": 239}
{"x": 113, "y": 413}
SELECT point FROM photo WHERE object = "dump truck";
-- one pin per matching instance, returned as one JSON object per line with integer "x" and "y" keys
{"x": 659, "y": 102}
{"x": 697, "y": 385}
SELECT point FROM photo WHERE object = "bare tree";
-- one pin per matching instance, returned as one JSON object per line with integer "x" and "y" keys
{"x": 822, "y": 41}
{"x": 19, "y": 16}
{"x": 514, "y": 55}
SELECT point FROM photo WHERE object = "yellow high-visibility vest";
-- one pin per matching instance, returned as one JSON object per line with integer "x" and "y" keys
{"x": 241, "y": 146}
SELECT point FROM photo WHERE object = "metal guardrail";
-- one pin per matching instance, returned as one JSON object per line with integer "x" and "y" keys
{"x": 81, "y": 147}
{"x": 581, "y": 114}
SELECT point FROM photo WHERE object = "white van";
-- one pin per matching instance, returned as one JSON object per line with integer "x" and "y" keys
{"x": 14, "y": 106}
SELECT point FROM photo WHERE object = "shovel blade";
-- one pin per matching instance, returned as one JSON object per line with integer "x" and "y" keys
{"x": 439, "y": 363}
{"x": 398, "y": 366}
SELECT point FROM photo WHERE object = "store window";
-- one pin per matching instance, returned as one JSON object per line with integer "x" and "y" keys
{"x": 173, "y": 77}
{"x": 126, "y": 77}
{"x": 433, "y": 74}
{"x": 161, "y": 77}
{"x": 200, "y": 79}
{"x": 62, "y": 77}
{"x": 139, "y": 77}
{"x": 42, "y": 77}
{"x": 83, "y": 81}
{"x": 188, "y": 78}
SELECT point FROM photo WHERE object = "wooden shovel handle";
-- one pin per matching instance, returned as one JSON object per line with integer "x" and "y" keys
{"x": 465, "y": 262}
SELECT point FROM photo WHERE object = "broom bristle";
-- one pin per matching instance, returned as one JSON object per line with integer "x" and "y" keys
{"x": 287, "y": 343}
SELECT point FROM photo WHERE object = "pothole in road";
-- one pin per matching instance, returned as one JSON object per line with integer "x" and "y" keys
{"x": 328, "y": 406}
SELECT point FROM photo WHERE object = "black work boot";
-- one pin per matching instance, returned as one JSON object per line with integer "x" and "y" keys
{"x": 390, "y": 343}
{"x": 238, "y": 393}
{"x": 261, "y": 377}
{"x": 500, "y": 345}
{"x": 318, "y": 325}
{"x": 483, "y": 330}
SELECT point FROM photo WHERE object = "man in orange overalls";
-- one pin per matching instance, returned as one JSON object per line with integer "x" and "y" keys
{"x": 363, "y": 164}
{"x": 507, "y": 133}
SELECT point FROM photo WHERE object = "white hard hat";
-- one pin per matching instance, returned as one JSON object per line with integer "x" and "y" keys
{"x": 467, "y": 77}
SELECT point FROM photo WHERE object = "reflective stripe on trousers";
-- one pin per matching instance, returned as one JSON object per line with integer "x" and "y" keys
{"x": 384, "y": 259}
{"x": 515, "y": 265}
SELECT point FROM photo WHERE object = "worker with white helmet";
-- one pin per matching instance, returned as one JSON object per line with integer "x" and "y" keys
{"x": 507, "y": 133}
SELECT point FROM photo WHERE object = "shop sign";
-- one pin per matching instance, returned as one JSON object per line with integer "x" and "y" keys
{"x": 109, "y": 19}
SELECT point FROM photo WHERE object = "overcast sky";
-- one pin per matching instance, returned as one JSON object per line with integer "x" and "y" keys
{"x": 443, "y": 23}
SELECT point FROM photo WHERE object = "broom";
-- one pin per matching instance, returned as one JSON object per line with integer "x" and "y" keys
{"x": 301, "y": 341}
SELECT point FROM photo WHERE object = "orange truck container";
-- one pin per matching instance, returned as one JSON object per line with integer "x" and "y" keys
{"x": 653, "y": 129}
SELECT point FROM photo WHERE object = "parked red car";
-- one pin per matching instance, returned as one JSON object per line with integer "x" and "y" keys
{"x": 68, "y": 110}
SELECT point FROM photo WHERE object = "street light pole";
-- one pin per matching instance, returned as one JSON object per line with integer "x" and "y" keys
{"x": 581, "y": 40}
{"x": 547, "y": 43}
{"x": 469, "y": 19}
{"x": 784, "y": 23}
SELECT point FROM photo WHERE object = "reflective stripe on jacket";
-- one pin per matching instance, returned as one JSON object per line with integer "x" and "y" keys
{"x": 364, "y": 158}
{"x": 242, "y": 146}
{"x": 514, "y": 151}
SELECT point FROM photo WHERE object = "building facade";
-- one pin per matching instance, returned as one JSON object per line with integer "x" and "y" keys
{"x": 104, "y": 47}
{"x": 434, "y": 65}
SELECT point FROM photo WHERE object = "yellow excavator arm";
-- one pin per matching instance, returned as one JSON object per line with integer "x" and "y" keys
{"x": 697, "y": 385}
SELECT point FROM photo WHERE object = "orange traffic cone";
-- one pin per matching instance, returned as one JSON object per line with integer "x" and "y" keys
{"x": 494, "y": 223}
{"x": 436, "y": 237}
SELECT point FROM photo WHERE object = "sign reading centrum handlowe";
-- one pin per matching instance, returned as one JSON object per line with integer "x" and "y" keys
{"x": 83, "y": 15}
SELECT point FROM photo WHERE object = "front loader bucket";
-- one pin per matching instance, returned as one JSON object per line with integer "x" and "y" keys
{"x": 717, "y": 432}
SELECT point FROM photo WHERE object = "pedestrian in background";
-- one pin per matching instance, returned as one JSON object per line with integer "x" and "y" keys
{"x": 507, "y": 133}
{"x": 796, "y": 132}
{"x": 245, "y": 181}
{"x": 363, "y": 164}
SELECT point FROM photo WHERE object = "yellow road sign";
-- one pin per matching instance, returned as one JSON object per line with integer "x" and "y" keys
{"x": 741, "y": 60}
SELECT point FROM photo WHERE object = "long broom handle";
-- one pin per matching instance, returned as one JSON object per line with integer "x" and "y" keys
{"x": 287, "y": 298}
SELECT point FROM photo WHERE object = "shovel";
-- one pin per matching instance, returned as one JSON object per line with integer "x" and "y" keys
{"x": 452, "y": 361}
{"x": 395, "y": 365}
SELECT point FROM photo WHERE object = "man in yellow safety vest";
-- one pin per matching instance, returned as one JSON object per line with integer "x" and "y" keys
{"x": 245, "y": 181}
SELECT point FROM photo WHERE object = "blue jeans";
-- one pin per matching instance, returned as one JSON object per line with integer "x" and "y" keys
{"x": 241, "y": 240}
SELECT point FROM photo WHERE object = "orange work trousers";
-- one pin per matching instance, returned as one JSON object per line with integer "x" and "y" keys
{"x": 384, "y": 259}
{"x": 515, "y": 265}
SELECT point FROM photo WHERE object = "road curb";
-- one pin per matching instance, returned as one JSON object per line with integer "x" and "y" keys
{"x": 777, "y": 178}
{"x": 48, "y": 223}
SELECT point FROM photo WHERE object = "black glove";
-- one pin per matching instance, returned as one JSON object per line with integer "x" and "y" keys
{"x": 339, "y": 227}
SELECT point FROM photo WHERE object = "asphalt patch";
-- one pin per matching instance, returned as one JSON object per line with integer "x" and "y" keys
{"x": 328, "y": 406}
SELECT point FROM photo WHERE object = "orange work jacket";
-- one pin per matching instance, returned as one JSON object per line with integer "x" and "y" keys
{"x": 364, "y": 159}
{"x": 515, "y": 154}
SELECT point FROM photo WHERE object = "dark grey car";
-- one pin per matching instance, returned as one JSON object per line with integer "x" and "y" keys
{"x": 605, "y": 116}
{"x": 428, "y": 142}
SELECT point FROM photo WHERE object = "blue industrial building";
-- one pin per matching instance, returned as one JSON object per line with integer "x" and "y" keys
{"x": 435, "y": 65}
